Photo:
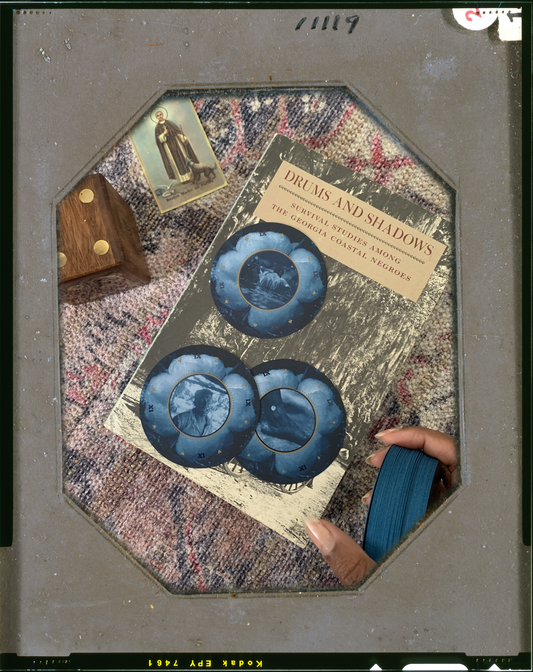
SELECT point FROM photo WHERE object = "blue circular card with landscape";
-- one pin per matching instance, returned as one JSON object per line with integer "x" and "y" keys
{"x": 199, "y": 406}
{"x": 268, "y": 280}
{"x": 302, "y": 423}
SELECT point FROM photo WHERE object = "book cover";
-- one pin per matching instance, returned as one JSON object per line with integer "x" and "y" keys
{"x": 316, "y": 285}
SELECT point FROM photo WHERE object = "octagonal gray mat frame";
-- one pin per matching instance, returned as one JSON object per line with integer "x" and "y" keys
{"x": 81, "y": 77}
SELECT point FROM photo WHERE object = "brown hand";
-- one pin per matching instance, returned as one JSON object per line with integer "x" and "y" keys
{"x": 345, "y": 557}
{"x": 433, "y": 443}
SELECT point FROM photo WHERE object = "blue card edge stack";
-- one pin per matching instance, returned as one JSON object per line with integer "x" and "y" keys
{"x": 399, "y": 499}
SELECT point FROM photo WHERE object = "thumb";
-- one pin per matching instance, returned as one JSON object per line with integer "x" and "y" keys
{"x": 345, "y": 557}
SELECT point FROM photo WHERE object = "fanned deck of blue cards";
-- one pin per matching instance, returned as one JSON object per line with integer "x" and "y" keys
{"x": 399, "y": 499}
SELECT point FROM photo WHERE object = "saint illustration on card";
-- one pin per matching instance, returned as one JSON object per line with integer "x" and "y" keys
{"x": 175, "y": 154}
{"x": 175, "y": 149}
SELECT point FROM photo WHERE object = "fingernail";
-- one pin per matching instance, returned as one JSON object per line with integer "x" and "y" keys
{"x": 319, "y": 535}
{"x": 388, "y": 431}
{"x": 367, "y": 459}
{"x": 366, "y": 498}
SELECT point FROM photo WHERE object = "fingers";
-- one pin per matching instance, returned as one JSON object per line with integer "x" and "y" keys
{"x": 433, "y": 443}
{"x": 345, "y": 557}
{"x": 366, "y": 498}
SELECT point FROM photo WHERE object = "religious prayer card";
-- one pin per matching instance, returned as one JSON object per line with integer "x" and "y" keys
{"x": 175, "y": 154}
{"x": 265, "y": 377}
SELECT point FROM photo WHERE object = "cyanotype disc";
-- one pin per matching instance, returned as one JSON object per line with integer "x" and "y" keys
{"x": 268, "y": 280}
{"x": 302, "y": 423}
{"x": 199, "y": 406}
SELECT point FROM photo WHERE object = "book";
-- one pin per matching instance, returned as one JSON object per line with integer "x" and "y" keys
{"x": 384, "y": 263}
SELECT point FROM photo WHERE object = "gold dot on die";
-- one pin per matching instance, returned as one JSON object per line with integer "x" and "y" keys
{"x": 310, "y": 258}
{"x": 314, "y": 292}
{"x": 61, "y": 259}
{"x": 246, "y": 238}
{"x": 154, "y": 426}
{"x": 226, "y": 301}
{"x": 223, "y": 267}
{"x": 86, "y": 195}
{"x": 244, "y": 384}
{"x": 255, "y": 324}
{"x": 183, "y": 453}
{"x": 101, "y": 247}
{"x": 246, "y": 422}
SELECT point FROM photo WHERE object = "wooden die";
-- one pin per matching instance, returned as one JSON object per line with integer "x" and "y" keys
{"x": 100, "y": 252}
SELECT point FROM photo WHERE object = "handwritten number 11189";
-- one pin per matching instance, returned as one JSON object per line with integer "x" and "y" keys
{"x": 352, "y": 20}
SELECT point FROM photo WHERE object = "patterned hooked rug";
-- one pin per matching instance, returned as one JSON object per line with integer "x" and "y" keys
{"x": 188, "y": 539}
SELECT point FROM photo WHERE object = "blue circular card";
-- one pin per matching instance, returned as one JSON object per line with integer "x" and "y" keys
{"x": 199, "y": 406}
{"x": 268, "y": 280}
{"x": 302, "y": 423}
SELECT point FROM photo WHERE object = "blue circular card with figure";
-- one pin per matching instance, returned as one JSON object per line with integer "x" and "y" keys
{"x": 302, "y": 423}
{"x": 268, "y": 280}
{"x": 199, "y": 406}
